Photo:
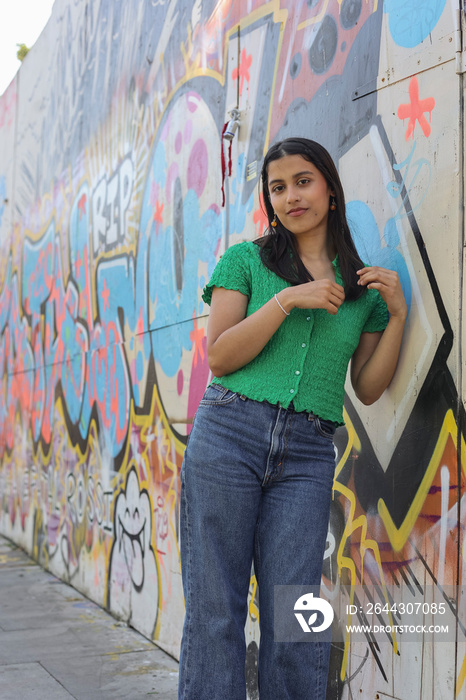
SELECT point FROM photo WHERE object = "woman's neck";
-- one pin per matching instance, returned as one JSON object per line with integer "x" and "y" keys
{"x": 316, "y": 257}
{"x": 315, "y": 250}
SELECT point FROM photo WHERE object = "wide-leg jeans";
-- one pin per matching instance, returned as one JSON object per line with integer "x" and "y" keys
{"x": 256, "y": 485}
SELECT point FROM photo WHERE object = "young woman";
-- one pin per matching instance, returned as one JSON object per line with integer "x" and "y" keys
{"x": 288, "y": 313}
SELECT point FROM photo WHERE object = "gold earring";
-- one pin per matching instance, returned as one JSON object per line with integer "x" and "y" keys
{"x": 333, "y": 204}
{"x": 274, "y": 221}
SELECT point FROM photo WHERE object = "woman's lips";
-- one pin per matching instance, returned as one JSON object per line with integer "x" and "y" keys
{"x": 296, "y": 212}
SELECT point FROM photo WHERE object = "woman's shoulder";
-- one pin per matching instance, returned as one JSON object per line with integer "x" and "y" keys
{"x": 234, "y": 270}
{"x": 245, "y": 254}
{"x": 242, "y": 249}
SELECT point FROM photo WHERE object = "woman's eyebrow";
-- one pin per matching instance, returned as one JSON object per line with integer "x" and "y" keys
{"x": 304, "y": 172}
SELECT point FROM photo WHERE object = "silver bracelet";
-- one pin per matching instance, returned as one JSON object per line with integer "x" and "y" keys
{"x": 276, "y": 299}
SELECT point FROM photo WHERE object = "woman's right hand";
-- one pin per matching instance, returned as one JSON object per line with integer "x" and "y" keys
{"x": 233, "y": 339}
{"x": 319, "y": 294}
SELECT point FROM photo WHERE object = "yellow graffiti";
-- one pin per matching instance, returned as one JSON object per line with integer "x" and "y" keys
{"x": 168, "y": 447}
{"x": 193, "y": 70}
{"x": 353, "y": 443}
{"x": 351, "y": 525}
{"x": 461, "y": 677}
{"x": 253, "y": 609}
{"x": 52, "y": 485}
{"x": 187, "y": 52}
{"x": 398, "y": 536}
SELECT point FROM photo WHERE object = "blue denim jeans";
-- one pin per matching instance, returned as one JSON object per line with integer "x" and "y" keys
{"x": 256, "y": 485}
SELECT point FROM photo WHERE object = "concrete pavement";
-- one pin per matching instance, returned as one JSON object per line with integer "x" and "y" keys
{"x": 55, "y": 644}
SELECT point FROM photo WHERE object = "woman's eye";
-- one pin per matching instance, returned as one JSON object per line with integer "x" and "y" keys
{"x": 277, "y": 188}
{"x": 303, "y": 181}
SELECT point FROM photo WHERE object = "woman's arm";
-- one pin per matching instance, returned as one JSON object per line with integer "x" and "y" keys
{"x": 233, "y": 339}
{"x": 375, "y": 359}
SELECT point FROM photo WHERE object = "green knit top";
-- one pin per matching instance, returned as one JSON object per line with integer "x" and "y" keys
{"x": 306, "y": 359}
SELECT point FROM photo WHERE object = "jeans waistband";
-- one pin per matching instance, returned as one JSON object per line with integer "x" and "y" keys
{"x": 309, "y": 414}
{"x": 292, "y": 409}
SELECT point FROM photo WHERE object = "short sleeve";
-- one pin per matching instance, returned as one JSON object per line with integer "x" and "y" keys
{"x": 231, "y": 272}
{"x": 378, "y": 318}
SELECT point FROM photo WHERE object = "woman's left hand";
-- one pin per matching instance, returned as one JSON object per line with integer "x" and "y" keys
{"x": 388, "y": 285}
{"x": 374, "y": 361}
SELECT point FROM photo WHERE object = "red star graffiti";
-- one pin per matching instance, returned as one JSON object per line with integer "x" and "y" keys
{"x": 197, "y": 336}
{"x": 105, "y": 293}
{"x": 82, "y": 205}
{"x": 242, "y": 72}
{"x": 158, "y": 218}
{"x": 415, "y": 110}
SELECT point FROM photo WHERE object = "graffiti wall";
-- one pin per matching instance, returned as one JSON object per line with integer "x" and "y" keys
{"x": 117, "y": 197}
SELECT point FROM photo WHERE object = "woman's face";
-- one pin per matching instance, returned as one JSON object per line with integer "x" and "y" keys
{"x": 299, "y": 194}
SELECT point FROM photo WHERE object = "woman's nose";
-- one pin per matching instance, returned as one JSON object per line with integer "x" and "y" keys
{"x": 292, "y": 194}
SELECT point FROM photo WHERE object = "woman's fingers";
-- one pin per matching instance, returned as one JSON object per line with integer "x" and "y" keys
{"x": 379, "y": 275}
{"x": 387, "y": 284}
{"x": 336, "y": 298}
{"x": 379, "y": 278}
{"x": 321, "y": 294}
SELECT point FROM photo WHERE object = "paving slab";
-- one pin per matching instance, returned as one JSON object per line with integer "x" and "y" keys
{"x": 30, "y": 681}
{"x": 56, "y": 644}
{"x": 118, "y": 675}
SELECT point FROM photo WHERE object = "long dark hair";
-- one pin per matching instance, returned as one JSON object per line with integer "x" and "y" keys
{"x": 279, "y": 251}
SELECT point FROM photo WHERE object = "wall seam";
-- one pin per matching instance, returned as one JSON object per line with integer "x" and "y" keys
{"x": 459, "y": 405}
